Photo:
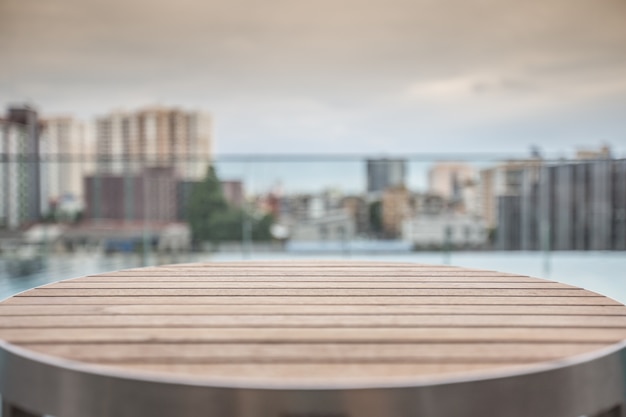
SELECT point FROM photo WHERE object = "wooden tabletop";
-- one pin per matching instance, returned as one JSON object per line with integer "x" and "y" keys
{"x": 311, "y": 322}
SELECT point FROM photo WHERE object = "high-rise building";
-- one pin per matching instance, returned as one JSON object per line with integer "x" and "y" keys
{"x": 578, "y": 205}
{"x": 20, "y": 179}
{"x": 506, "y": 179}
{"x": 166, "y": 137}
{"x": 509, "y": 225}
{"x": 456, "y": 183}
{"x": 67, "y": 156}
{"x": 385, "y": 173}
{"x": 447, "y": 178}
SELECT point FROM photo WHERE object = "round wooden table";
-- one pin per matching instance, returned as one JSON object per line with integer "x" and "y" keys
{"x": 311, "y": 339}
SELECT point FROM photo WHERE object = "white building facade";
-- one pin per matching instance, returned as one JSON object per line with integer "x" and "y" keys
{"x": 67, "y": 157}
{"x": 430, "y": 231}
{"x": 156, "y": 136}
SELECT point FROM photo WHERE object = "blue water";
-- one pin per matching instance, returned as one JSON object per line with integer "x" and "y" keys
{"x": 602, "y": 272}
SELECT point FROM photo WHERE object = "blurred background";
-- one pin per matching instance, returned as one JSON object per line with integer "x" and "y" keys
{"x": 477, "y": 133}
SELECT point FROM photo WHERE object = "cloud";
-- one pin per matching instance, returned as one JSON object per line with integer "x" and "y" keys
{"x": 467, "y": 86}
{"x": 338, "y": 74}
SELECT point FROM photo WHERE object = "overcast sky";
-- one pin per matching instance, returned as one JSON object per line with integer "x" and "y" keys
{"x": 366, "y": 76}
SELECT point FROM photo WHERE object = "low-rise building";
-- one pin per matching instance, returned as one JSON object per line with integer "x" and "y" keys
{"x": 337, "y": 225}
{"x": 395, "y": 208}
{"x": 435, "y": 231}
{"x": 151, "y": 195}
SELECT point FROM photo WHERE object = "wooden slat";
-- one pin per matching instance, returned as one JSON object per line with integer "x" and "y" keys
{"x": 128, "y": 284}
{"x": 308, "y": 270}
{"x": 320, "y": 309}
{"x": 305, "y": 263}
{"x": 381, "y": 278}
{"x": 362, "y": 321}
{"x": 307, "y": 292}
{"x": 302, "y": 353}
{"x": 326, "y": 267}
{"x": 318, "y": 265}
{"x": 277, "y": 300}
{"x": 308, "y": 273}
{"x": 321, "y": 335}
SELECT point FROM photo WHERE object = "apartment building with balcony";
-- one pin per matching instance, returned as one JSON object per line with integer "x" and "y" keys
{"x": 128, "y": 142}
{"x": 66, "y": 158}
{"x": 507, "y": 179}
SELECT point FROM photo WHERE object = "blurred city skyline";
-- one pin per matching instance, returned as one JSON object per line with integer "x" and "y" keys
{"x": 334, "y": 77}
{"x": 156, "y": 166}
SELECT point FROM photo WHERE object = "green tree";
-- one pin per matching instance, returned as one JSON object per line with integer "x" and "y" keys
{"x": 261, "y": 228}
{"x": 212, "y": 219}
{"x": 206, "y": 205}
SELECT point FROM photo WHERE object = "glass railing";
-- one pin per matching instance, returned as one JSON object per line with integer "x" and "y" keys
{"x": 82, "y": 214}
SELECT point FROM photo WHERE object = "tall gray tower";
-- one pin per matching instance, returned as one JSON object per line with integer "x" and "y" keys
{"x": 20, "y": 182}
{"x": 385, "y": 173}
